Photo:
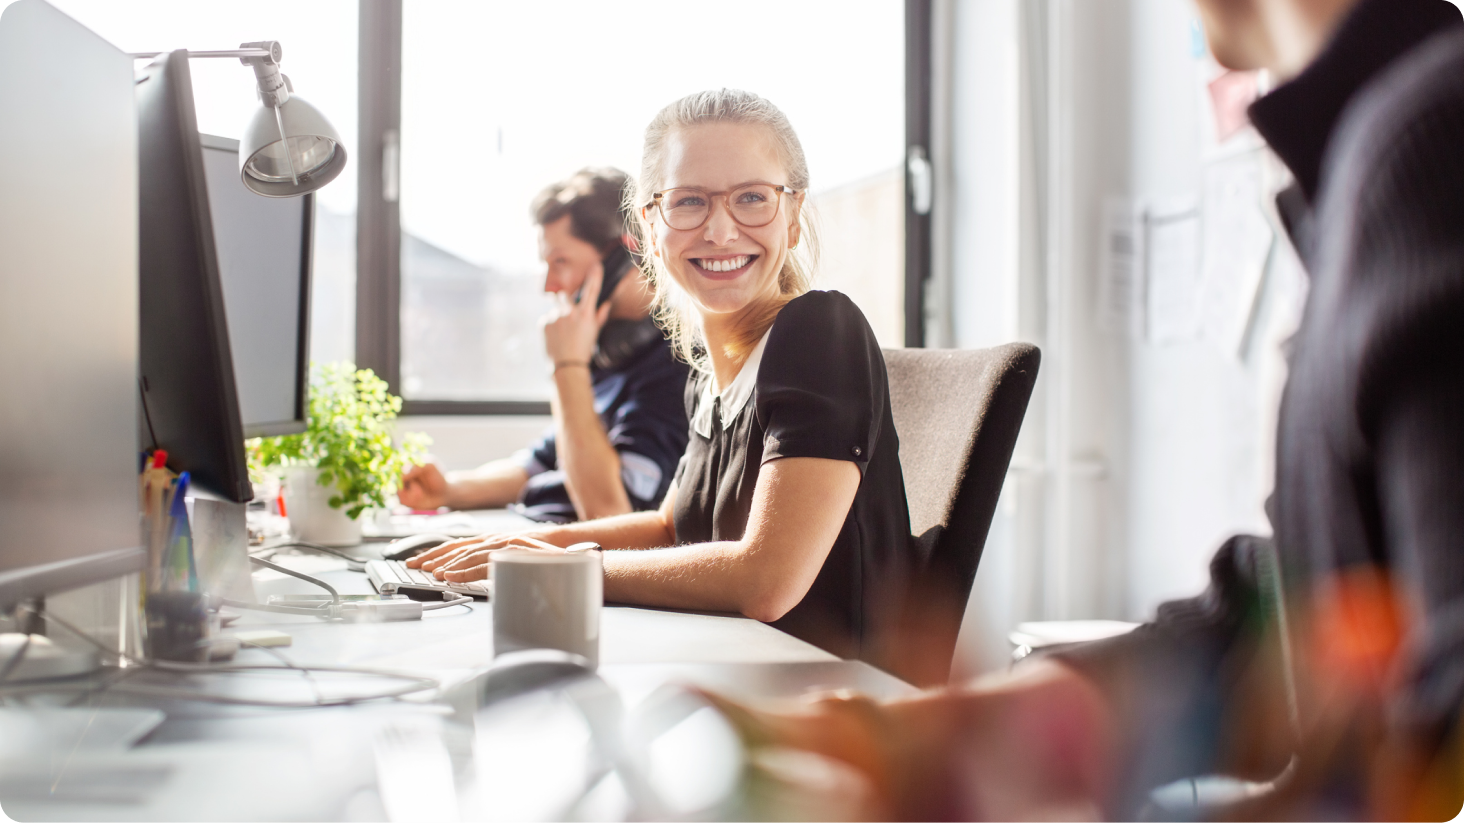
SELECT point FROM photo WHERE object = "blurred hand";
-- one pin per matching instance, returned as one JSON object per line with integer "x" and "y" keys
{"x": 423, "y": 487}
{"x": 462, "y": 561}
{"x": 843, "y": 725}
{"x": 570, "y": 328}
{"x": 1032, "y": 743}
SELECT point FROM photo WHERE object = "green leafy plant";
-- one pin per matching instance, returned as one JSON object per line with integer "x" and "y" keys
{"x": 348, "y": 437}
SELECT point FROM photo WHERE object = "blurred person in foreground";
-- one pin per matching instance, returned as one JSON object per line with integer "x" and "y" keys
{"x": 619, "y": 422}
{"x": 1349, "y": 707}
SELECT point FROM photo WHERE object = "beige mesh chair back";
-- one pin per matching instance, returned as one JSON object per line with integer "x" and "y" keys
{"x": 958, "y": 414}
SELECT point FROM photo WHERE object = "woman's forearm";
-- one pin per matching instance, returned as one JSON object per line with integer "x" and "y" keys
{"x": 637, "y": 530}
{"x": 797, "y": 511}
{"x": 705, "y": 576}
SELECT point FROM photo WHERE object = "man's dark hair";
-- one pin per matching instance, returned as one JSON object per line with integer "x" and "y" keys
{"x": 593, "y": 199}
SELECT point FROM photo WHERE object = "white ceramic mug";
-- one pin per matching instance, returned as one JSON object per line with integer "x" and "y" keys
{"x": 544, "y": 600}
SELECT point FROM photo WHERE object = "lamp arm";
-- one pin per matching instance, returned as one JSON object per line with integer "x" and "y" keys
{"x": 264, "y": 56}
{"x": 242, "y": 54}
{"x": 272, "y": 86}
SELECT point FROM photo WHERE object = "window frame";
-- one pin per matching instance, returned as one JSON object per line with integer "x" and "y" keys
{"x": 378, "y": 210}
{"x": 919, "y": 47}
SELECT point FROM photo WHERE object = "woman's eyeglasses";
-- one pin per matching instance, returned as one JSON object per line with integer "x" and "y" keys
{"x": 752, "y": 205}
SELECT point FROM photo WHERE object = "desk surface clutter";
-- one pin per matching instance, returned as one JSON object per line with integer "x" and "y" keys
{"x": 114, "y": 756}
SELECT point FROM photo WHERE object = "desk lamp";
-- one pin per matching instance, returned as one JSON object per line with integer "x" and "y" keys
{"x": 289, "y": 148}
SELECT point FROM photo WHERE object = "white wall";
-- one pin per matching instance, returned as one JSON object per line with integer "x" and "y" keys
{"x": 1203, "y": 466}
{"x": 1137, "y": 459}
{"x": 468, "y": 441}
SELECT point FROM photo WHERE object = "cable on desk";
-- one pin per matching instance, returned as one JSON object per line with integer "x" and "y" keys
{"x": 415, "y": 683}
{"x": 460, "y": 600}
{"x": 319, "y": 548}
{"x": 335, "y": 597}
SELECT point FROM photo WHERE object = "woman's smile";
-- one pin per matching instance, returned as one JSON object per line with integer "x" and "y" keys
{"x": 724, "y": 266}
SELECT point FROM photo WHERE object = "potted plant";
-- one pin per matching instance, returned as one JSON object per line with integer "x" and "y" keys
{"x": 345, "y": 462}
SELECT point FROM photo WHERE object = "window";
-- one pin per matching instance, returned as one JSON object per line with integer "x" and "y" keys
{"x": 499, "y": 100}
{"x": 319, "y": 42}
{"x": 456, "y": 113}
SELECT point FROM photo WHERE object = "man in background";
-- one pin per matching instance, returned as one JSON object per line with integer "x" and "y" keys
{"x": 619, "y": 414}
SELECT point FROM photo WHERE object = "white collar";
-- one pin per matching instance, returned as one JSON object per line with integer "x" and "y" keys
{"x": 734, "y": 397}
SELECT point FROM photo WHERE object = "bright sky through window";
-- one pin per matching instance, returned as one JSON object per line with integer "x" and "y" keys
{"x": 500, "y": 99}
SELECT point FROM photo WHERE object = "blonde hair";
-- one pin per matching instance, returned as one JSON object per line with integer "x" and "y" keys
{"x": 671, "y": 307}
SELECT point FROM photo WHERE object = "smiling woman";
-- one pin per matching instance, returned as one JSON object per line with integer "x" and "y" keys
{"x": 789, "y": 504}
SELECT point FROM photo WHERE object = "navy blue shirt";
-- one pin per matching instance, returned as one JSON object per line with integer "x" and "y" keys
{"x": 640, "y": 402}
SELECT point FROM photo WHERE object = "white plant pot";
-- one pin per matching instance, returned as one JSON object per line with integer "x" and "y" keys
{"x": 311, "y": 518}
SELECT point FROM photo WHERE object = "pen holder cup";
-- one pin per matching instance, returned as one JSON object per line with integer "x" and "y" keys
{"x": 177, "y": 626}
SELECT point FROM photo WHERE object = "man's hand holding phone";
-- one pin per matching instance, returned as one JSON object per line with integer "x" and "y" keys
{"x": 572, "y": 326}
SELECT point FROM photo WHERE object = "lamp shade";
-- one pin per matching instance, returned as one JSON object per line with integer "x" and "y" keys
{"x": 315, "y": 154}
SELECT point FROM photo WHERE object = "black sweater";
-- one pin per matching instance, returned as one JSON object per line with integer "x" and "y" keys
{"x": 1370, "y": 442}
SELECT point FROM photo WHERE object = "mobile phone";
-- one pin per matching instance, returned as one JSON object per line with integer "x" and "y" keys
{"x": 616, "y": 264}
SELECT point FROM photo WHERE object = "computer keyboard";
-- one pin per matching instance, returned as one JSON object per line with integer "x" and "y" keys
{"x": 390, "y": 575}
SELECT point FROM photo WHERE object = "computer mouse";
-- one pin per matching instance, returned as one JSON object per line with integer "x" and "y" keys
{"x": 413, "y": 546}
{"x": 514, "y": 673}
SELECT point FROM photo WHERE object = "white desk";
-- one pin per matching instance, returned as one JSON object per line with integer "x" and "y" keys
{"x": 210, "y": 762}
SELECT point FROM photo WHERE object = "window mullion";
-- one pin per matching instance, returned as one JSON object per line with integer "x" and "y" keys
{"x": 378, "y": 212}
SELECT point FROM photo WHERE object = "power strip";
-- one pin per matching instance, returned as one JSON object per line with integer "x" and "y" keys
{"x": 378, "y": 611}
{"x": 356, "y": 608}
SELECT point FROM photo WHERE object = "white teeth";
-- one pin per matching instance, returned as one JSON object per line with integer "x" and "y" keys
{"x": 726, "y": 265}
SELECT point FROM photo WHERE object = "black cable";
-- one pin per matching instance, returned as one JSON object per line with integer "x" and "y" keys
{"x": 142, "y": 396}
{"x": 335, "y": 597}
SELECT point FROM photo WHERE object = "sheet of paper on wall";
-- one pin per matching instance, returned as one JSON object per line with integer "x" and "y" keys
{"x": 1172, "y": 264}
{"x": 1237, "y": 244}
{"x": 1121, "y": 269}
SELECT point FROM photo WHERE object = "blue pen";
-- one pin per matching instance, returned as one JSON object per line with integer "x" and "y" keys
{"x": 183, "y": 570}
{"x": 180, "y": 490}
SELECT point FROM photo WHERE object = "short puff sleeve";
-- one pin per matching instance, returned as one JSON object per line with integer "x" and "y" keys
{"x": 821, "y": 386}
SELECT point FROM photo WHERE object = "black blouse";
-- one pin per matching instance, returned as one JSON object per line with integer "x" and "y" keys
{"x": 814, "y": 387}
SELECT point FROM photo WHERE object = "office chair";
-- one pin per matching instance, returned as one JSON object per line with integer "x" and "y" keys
{"x": 958, "y": 414}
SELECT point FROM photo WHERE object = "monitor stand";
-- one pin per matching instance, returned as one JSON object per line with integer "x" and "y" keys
{"x": 221, "y": 546}
{"x": 43, "y": 659}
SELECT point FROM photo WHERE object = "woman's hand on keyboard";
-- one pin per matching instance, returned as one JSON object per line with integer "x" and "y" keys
{"x": 461, "y": 561}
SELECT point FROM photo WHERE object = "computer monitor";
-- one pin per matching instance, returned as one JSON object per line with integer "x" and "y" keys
{"x": 187, "y": 368}
{"x": 264, "y": 252}
{"x": 68, "y": 319}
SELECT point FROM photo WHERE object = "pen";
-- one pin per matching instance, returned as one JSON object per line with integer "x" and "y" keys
{"x": 183, "y": 573}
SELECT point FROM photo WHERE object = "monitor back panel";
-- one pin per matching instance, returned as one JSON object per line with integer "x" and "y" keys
{"x": 68, "y": 306}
